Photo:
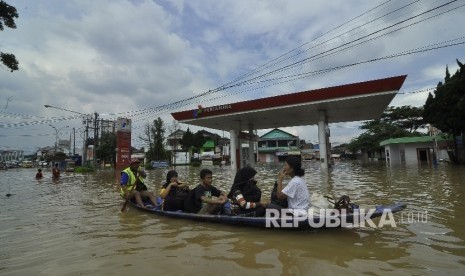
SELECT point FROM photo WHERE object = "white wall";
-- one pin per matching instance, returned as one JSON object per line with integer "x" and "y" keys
{"x": 411, "y": 156}
{"x": 394, "y": 153}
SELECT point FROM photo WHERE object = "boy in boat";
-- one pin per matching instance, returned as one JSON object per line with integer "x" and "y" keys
{"x": 207, "y": 198}
{"x": 134, "y": 175}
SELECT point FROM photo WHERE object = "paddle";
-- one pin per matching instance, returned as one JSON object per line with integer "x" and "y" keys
{"x": 129, "y": 193}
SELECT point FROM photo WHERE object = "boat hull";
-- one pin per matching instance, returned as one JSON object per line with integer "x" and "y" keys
{"x": 359, "y": 218}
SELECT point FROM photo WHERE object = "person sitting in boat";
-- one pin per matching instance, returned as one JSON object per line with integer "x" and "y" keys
{"x": 207, "y": 198}
{"x": 132, "y": 184}
{"x": 245, "y": 195}
{"x": 173, "y": 192}
{"x": 296, "y": 191}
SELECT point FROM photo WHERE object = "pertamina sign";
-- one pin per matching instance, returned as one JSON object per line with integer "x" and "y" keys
{"x": 123, "y": 144}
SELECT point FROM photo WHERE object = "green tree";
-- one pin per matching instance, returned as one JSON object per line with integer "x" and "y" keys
{"x": 192, "y": 141}
{"x": 446, "y": 109}
{"x": 198, "y": 140}
{"x": 405, "y": 117}
{"x": 394, "y": 122}
{"x": 106, "y": 149}
{"x": 187, "y": 140}
{"x": 159, "y": 135}
{"x": 154, "y": 137}
{"x": 7, "y": 18}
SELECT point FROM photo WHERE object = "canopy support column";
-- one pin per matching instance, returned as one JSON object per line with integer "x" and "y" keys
{"x": 233, "y": 146}
{"x": 323, "y": 137}
{"x": 251, "y": 147}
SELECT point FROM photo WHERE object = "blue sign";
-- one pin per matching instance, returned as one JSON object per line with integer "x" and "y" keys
{"x": 159, "y": 164}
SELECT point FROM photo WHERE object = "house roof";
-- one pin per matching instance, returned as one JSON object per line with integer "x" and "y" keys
{"x": 178, "y": 132}
{"x": 209, "y": 144}
{"x": 277, "y": 134}
{"x": 415, "y": 139}
{"x": 345, "y": 103}
{"x": 277, "y": 149}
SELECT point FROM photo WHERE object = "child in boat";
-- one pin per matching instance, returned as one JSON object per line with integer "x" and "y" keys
{"x": 245, "y": 195}
{"x": 173, "y": 192}
{"x": 207, "y": 198}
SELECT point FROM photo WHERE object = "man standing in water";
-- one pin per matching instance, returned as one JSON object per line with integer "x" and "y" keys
{"x": 56, "y": 172}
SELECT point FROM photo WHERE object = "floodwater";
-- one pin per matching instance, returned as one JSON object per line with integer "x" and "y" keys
{"x": 74, "y": 227}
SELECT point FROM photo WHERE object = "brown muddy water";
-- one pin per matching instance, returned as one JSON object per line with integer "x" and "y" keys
{"x": 74, "y": 227}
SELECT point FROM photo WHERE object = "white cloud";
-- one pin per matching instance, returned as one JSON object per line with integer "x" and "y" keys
{"x": 114, "y": 56}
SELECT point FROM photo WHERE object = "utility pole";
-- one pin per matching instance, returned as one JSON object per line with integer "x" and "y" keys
{"x": 89, "y": 122}
{"x": 86, "y": 137}
{"x": 96, "y": 131}
{"x": 57, "y": 131}
{"x": 74, "y": 141}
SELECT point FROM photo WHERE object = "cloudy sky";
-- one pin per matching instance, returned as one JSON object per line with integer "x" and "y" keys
{"x": 143, "y": 59}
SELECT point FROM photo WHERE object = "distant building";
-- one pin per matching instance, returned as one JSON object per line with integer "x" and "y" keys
{"x": 276, "y": 145}
{"x": 308, "y": 151}
{"x": 173, "y": 140}
{"x": 215, "y": 146}
{"x": 11, "y": 155}
{"x": 217, "y": 139}
{"x": 208, "y": 146}
{"x": 415, "y": 150}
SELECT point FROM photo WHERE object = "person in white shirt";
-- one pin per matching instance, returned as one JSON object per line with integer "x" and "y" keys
{"x": 296, "y": 191}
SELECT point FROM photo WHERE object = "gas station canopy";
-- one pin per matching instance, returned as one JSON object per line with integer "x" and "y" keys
{"x": 344, "y": 103}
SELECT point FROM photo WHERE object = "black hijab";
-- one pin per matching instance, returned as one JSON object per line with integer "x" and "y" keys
{"x": 243, "y": 182}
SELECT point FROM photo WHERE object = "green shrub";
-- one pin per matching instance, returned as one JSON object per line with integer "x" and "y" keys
{"x": 83, "y": 169}
{"x": 196, "y": 163}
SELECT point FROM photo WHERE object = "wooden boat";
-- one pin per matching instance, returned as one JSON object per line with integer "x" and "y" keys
{"x": 360, "y": 217}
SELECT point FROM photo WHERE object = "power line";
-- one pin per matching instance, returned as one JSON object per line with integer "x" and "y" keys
{"x": 31, "y": 123}
{"x": 138, "y": 115}
{"x": 189, "y": 100}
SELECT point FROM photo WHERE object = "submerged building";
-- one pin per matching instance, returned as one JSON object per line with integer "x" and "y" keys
{"x": 416, "y": 150}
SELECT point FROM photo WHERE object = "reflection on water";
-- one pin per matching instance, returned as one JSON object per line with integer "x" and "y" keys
{"x": 74, "y": 226}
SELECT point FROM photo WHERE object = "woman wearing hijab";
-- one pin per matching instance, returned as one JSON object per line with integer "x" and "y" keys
{"x": 173, "y": 192}
{"x": 245, "y": 195}
{"x": 296, "y": 191}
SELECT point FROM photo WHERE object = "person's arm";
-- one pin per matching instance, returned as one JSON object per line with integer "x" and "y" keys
{"x": 222, "y": 196}
{"x": 125, "y": 191}
{"x": 124, "y": 184}
{"x": 165, "y": 191}
{"x": 212, "y": 200}
{"x": 183, "y": 185}
{"x": 141, "y": 172}
{"x": 242, "y": 202}
{"x": 279, "y": 190}
{"x": 218, "y": 200}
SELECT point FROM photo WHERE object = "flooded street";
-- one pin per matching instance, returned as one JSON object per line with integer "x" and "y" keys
{"x": 74, "y": 227}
